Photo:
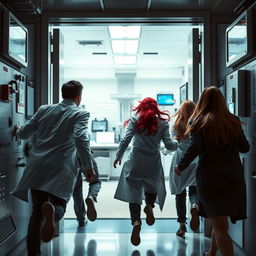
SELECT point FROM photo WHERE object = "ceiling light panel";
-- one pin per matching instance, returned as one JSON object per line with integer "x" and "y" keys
{"x": 124, "y": 31}
{"x": 125, "y": 46}
{"x": 125, "y": 60}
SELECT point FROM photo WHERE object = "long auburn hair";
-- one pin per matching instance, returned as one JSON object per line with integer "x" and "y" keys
{"x": 148, "y": 113}
{"x": 183, "y": 115}
{"x": 213, "y": 118}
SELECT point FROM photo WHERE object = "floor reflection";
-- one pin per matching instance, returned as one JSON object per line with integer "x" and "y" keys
{"x": 79, "y": 244}
{"x": 118, "y": 244}
{"x": 92, "y": 248}
{"x": 135, "y": 253}
{"x": 103, "y": 241}
{"x": 150, "y": 253}
{"x": 182, "y": 246}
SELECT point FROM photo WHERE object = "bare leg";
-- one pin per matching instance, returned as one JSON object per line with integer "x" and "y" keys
{"x": 214, "y": 248}
{"x": 222, "y": 238}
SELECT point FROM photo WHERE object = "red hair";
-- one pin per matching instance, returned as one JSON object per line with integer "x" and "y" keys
{"x": 148, "y": 113}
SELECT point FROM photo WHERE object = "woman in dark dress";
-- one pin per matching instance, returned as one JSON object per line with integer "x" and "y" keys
{"x": 216, "y": 136}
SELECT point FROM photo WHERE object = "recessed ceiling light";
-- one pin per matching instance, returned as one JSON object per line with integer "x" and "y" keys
{"x": 124, "y": 31}
{"x": 125, "y": 46}
{"x": 125, "y": 60}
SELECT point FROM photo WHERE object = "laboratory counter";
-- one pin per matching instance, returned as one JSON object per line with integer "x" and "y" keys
{"x": 105, "y": 154}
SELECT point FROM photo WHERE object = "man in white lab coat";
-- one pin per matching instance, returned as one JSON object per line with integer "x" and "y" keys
{"x": 59, "y": 136}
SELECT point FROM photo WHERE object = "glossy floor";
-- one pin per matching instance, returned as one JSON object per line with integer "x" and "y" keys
{"x": 107, "y": 205}
{"x": 112, "y": 238}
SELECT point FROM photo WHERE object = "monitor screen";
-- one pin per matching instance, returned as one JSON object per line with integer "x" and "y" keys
{"x": 237, "y": 39}
{"x": 165, "y": 99}
{"x": 17, "y": 40}
{"x": 99, "y": 125}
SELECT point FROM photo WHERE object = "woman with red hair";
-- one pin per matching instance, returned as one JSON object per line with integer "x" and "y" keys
{"x": 142, "y": 175}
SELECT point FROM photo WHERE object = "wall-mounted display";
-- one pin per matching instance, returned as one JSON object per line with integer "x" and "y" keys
{"x": 165, "y": 99}
{"x": 239, "y": 39}
{"x": 15, "y": 40}
{"x": 183, "y": 92}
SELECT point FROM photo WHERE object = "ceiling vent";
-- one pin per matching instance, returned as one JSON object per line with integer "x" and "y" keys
{"x": 90, "y": 42}
{"x": 99, "y": 53}
{"x": 150, "y": 53}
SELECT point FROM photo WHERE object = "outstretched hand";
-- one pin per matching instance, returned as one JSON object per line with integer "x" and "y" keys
{"x": 90, "y": 175}
{"x": 177, "y": 170}
{"x": 116, "y": 162}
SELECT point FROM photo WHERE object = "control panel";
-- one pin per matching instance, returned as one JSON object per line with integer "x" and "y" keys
{"x": 236, "y": 93}
{"x": 12, "y": 107}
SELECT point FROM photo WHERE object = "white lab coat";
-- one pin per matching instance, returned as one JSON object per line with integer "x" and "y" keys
{"x": 143, "y": 171}
{"x": 60, "y": 132}
{"x": 188, "y": 175}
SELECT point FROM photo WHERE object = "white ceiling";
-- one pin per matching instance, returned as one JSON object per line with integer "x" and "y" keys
{"x": 171, "y": 43}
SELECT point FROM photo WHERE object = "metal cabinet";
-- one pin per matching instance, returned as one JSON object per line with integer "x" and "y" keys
{"x": 103, "y": 160}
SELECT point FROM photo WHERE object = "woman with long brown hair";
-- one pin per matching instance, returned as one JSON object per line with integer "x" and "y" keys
{"x": 142, "y": 174}
{"x": 179, "y": 184}
{"x": 216, "y": 136}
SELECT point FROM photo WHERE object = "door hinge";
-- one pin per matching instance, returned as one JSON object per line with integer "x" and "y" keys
{"x": 51, "y": 38}
{"x": 200, "y": 39}
{"x": 199, "y": 57}
{"x": 51, "y": 57}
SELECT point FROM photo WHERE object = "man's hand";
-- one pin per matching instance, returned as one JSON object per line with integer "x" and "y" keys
{"x": 116, "y": 162}
{"x": 177, "y": 170}
{"x": 90, "y": 175}
{"x": 164, "y": 151}
{"x": 15, "y": 129}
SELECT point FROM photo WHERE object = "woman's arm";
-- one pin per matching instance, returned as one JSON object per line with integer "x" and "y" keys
{"x": 243, "y": 143}
{"x": 192, "y": 152}
{"x": 130, "y": 130}
{"x": 170, "y": 145}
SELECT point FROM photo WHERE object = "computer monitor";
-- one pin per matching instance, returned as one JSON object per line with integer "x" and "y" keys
{"x": 165, "y": 99}
{"x": 15, "y": 41}
{"x": 240, "y": 39}
{"x": 99, "y": 125}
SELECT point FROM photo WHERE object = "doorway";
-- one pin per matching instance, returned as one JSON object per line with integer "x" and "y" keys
{"x": 119, "y": 65}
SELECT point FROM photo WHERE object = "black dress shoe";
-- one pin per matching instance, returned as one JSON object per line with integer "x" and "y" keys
{"x": 82, "y": 223}
{"x": 181, "y": 230}
{"x": 48, "y": 227}
{"x": 150, "y": 219}
{"x": 135, "y": 237}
